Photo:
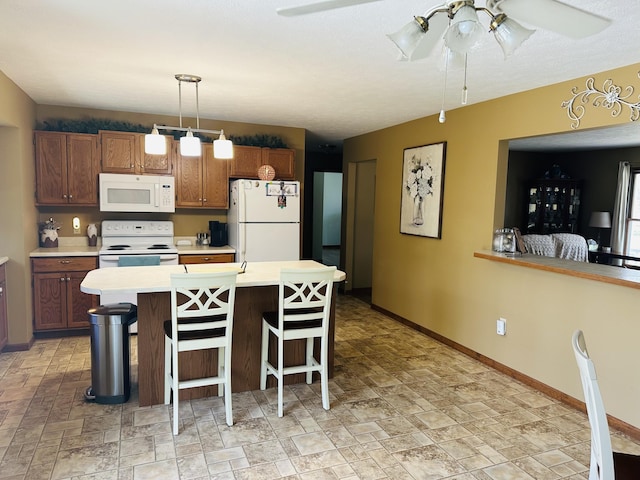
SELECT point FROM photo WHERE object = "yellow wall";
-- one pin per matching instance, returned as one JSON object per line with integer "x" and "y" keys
{"x": 438, "y": 284}
{"x": 17, "y": 212}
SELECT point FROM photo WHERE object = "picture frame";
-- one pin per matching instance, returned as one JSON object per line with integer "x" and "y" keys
{"x": 422, "y": 190}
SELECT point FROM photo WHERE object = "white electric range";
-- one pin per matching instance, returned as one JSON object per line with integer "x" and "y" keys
{"x": 135, "y": 242}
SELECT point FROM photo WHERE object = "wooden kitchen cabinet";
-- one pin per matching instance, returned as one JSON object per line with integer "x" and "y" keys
{"x": 282, "y": 160}
{"x": 123, "y": 152}
{"x": 4, "y": 321}
{"x": 247, "y": 160}
{"x": 213, "y": 258}
{"x": 58, "y": 303}
{"x": 202, "y": 182}
{"x": 66, "y": 168}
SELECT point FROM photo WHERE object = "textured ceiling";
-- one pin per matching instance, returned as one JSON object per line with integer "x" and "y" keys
{"x": 333, "y": 73}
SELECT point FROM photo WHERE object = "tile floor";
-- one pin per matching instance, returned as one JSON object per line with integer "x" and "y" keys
{"x": 403, "y": 407}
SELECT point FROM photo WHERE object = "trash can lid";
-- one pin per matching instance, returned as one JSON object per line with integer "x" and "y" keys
{"x": 124, "y": 313}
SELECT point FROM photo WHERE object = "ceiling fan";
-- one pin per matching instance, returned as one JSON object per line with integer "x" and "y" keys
{"x": 460, "y": 26}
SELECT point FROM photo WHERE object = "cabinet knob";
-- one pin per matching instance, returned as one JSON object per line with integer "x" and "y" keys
{"x": 1, "y": 291}
{"x": 70, "y": 196}
{"x": 204, "y": 200}
{"x": 68, "y": 279}
{"x": 62, "y": 279}
{"x": 64, "y": 196}
{"x": 65, "y": 262}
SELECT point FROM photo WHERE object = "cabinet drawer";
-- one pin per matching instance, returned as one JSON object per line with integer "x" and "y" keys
{"x": 213, "y": 258}
{"x": 64, "y": 264}
{"x": 2, "y": 273}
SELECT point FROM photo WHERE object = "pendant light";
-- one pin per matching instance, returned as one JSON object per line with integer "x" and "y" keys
{"x": 190, "y": 146}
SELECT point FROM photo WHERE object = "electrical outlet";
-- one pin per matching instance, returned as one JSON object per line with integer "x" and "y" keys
{"x": 501, "y": 326}
{"x": 76, "y": 225}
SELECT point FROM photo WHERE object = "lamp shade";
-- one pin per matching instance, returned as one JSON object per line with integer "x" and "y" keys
{"x": 190, "y": 145}
{"x": 154, "y": 143}
{"x": 223, "y": 148}
{"x": 509, "y": 34}
{"x": 600, "y": 220}
{"x": 408, "y": 37}
{"x": 465, "y": 30}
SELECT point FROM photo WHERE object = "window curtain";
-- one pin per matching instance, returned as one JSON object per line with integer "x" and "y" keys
{"x": 621, "y": 209}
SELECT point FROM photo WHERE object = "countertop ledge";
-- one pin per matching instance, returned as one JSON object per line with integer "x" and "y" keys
{"x": 150, "y": 279}
{"x": 625, "y": 277}
{"x": 86, "y": 251}
{"x": 3, "y": 260}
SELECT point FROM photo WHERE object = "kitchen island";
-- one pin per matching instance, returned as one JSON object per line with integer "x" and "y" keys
{"x": 256, "y": 292}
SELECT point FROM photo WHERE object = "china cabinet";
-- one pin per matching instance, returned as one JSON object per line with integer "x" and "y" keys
{"x": 553, "y": 206}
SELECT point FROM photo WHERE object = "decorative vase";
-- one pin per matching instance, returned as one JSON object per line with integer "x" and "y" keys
{"x": 92, "y": 234}
{"x": 49, "y": 238}
{"x": 417, "y": 210}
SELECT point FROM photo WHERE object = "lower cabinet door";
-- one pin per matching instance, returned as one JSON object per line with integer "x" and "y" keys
{"x": 78, "y": 302}
{"x": 50, "y": 301}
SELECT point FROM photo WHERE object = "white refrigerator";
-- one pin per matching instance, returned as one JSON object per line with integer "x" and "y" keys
{"x": 264, "y": 220}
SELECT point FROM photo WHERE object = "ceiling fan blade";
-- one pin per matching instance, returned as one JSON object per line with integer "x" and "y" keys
{"x": 319, "y": 7}
{"x": 552, "y": 15}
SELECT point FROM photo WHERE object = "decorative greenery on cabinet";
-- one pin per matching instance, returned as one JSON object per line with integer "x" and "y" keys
{"x": 94, "y": 125}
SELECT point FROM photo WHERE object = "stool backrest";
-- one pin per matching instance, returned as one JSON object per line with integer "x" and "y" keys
{"x": 305, "y": 295}
{"x": 601, "y": 451}
{"x": 205, "y": 300}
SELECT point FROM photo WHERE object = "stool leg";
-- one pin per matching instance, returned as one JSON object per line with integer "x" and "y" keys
{"x": 264, "y": 355}
{"x": 324, "y": 373}
{"x": 221, "y": 369}
{"x": 309, "y": 355}
{"x": 167, "y": 370}
{"x": 227, "y": 386}
{"x": 280, "y": 375}
{"x": 175, "y": 388}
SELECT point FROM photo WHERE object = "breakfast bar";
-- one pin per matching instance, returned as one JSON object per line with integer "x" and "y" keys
{"x": 256, "y": 292}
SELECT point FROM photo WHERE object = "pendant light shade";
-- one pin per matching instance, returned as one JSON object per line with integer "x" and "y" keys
{"x": 465, "y": 29}
{"x": 190, "y": 145}
{"x": 409, "y": 36}
{"x": 154, "y": 143}
{"x": 223, "y": 148}
{"x": 509, "y": 34}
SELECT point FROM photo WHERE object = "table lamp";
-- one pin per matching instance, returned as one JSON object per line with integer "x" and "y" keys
{"x": 600, "y": 220}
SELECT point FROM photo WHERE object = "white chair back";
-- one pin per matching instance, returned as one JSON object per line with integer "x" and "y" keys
{"x": 601, "y": 467}
{"x": 305, "y": 296}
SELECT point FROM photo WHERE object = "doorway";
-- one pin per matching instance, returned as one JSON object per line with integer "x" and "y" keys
{"x": 327, "y": 217}
{"x": 361, "y": 186}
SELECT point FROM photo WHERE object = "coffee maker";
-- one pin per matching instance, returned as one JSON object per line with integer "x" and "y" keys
{"x": 218, "y": 231}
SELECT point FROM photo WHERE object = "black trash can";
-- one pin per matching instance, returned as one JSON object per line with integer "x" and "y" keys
{"x": 110, "y": 369}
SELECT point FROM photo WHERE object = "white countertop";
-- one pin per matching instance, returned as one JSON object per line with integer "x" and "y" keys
{"x": 157, "y": 278}
{"x": 3, "y": 260}
{"x": 86, "y": 251}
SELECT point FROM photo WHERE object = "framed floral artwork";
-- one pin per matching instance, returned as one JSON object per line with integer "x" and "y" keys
{"x": 422, "y": 189}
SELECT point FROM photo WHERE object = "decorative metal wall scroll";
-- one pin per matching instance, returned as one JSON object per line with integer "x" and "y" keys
{"x": 611, "y": 96}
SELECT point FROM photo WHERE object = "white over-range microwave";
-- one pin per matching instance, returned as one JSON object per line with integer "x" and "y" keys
{"x": 136, "y": 193}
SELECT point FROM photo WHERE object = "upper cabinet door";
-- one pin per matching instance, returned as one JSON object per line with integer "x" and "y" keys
{"x": 216, "y": 179}
{"x": 246, "y": 162}
{"x": 119, "y": 152}
{"x": 51, "y": 168}
{"x": 189, "y": 178}
{"x": 282, "y": 160}
{"x": 155, "y": 164}
{"x": 82, "y": 169}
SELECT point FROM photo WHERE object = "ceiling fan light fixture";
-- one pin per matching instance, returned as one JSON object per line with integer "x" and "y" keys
{"x": 154, "y": 143}
{"x": 190, "y": 146}
{"x": 223, "y": 148}
{"x": 465, "y": 29}
{"x": 409, "y": 36}
{"x": 508, "y": 33}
